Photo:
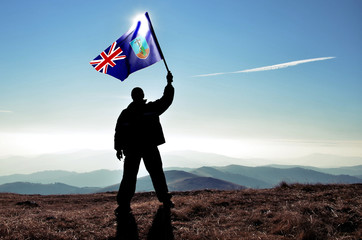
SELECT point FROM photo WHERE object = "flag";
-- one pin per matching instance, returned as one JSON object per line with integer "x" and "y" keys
{"x": 134, "y": 50}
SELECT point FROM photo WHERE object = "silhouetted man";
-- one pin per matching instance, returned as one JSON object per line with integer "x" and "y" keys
{"x": 138, "y": 133}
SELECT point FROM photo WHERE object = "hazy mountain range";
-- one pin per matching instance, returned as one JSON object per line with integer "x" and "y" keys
{"x": 195, "y": 173}
{"x": 178, "y": 179}
{"x": 99, "y": 178}
{"x": 87, "y": 161}
{"x": 44, "y": 189}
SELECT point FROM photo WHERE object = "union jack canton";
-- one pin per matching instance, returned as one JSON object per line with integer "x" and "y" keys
{"x": 108, "y": 59}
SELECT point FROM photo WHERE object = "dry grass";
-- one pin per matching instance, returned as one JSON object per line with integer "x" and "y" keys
{"x": 285, "y": 212}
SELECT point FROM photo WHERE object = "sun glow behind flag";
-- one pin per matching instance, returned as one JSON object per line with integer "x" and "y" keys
{"x": 134, "y": 50}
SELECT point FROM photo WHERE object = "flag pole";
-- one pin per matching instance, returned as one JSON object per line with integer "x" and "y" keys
{"x": 156, "y": 41}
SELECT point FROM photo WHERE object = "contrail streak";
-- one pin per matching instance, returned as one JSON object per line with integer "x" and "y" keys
{"x": 272, "y": 67}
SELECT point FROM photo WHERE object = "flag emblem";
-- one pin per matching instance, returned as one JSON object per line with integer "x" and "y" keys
{"x": 108, "y": 59}
{"x": 140, "y": 47}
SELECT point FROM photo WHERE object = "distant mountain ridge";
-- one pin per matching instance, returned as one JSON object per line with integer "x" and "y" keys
{"x": 223, "y": 178}
{"x": 352, "y": 171}
{"x": 98, "y": 178}
{"x": 44, "y": 189}
{"x": 90, "y": 160}
{"x": 246, "y": 181}
{"x": 273, "y": 176}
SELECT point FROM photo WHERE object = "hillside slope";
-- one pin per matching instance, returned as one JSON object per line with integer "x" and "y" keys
{"x": 285, "y": 212}
{"x": 184, "y": 181}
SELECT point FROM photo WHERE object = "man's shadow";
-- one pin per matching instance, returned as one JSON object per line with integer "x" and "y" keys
{"x": 161, "y": 228}
{"x": 126, "y": 227}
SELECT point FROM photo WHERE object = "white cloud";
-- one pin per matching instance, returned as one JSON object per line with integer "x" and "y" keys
{"x": 5, "y": 111}
{"x": 272, "y": 67}
{"x": 210, "y": 74}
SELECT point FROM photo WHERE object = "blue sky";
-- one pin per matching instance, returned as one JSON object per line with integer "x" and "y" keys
{"x": 52, "y": 100}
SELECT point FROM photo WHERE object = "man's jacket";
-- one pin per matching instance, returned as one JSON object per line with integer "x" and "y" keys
{"x": 139, "y": 124}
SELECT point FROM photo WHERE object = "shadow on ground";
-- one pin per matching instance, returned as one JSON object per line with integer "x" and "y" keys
{"x": 161, "y": 228}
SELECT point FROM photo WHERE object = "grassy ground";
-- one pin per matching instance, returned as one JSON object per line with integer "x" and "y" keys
{"x": 284, "y": 212}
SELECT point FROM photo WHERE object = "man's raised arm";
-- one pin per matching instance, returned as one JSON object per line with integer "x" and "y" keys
{"x": 162, "y": 104}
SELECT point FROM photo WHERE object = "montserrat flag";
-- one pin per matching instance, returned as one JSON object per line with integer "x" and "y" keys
{"x": 136, "y": 49}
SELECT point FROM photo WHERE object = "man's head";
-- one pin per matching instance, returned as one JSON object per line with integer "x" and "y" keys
{"x": 137, "y": 94}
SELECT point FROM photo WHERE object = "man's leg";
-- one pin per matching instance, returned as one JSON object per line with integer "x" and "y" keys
{"x": 127, "y": 187}
{"x": 153, "y": 163}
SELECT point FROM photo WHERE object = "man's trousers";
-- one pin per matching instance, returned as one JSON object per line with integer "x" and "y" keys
{"x": 153, "y": 163}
